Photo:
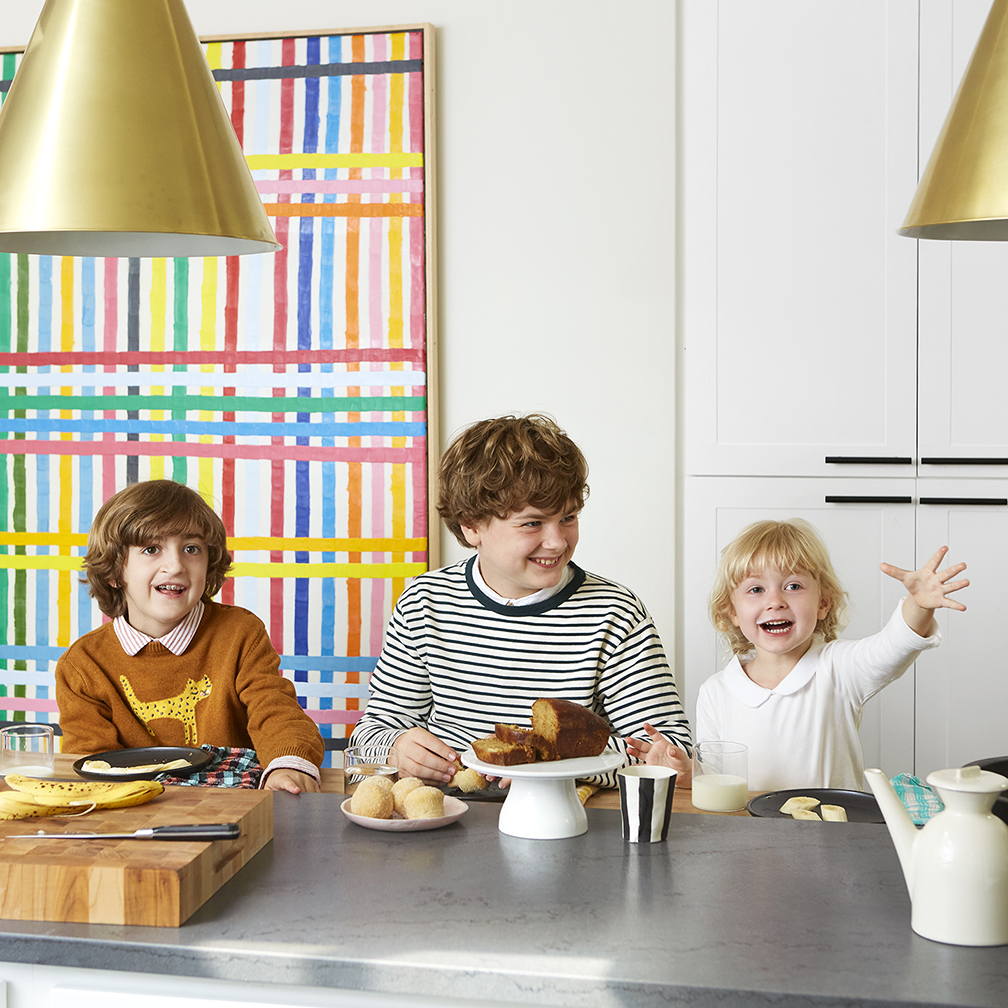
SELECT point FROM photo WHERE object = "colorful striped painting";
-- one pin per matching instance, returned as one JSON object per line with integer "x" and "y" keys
{"x": 289, "y": 389}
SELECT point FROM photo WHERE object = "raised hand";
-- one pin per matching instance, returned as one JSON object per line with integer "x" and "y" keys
{"x": 657, "y": 750}
{"x": 928, "y": 589}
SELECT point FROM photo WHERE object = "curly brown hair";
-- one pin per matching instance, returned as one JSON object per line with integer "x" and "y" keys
{"x": 141, "y": 515}
{"x": 506, "y": 463}
{"x": 787, "y": 546}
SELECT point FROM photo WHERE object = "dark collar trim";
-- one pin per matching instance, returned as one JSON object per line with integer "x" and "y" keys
{"x": 529, "y": 610}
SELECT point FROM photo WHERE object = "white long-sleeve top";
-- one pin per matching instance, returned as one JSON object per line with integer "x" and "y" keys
{"x": 457, "y": 662}
{"x": 804, "y": 731}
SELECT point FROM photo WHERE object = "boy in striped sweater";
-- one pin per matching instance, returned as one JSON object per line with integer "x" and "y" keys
{"x": 476, "y": 643}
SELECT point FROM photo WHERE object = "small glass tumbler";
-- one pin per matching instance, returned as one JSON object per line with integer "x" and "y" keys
{"x": 720, "y": 776}
{"x": 362, "y": 762}
{"x": 27, "y": 749}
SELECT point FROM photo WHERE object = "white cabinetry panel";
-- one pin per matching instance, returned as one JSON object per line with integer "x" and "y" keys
{"x": 859, "y": 537}
{"x": 962, "y": 686}
{"x": 799, "y": 296}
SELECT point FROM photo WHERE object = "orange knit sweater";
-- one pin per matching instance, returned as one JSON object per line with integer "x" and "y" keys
{"x": 225, "y": 690}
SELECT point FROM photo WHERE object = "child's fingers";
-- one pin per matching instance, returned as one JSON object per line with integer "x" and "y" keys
{"x": 936, "y": 559}
{"x": 893, "y": 571}
{"x": 951, "y": 572}
{"x": 656, "y": 736}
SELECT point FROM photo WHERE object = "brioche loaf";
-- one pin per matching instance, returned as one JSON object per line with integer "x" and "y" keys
{"x": 525, "y": 736}
{"x": 569, "y": 729}
{"x": 560, "y": 729}
{"x": 492, "y": 750}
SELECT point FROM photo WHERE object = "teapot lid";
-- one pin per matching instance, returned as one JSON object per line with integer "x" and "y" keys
{"x": 970, "y": 778}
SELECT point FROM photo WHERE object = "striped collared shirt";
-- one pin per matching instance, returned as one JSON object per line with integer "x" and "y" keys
{"x": 177, "y": 640}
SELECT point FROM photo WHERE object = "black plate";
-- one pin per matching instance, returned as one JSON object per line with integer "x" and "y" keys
{"x": 198, "y": 758}
{"x": 491, "y": 793}
{"x": 859, "y": 805}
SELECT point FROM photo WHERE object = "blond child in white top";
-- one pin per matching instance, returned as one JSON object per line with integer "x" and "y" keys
{"x": 794, "y": 693}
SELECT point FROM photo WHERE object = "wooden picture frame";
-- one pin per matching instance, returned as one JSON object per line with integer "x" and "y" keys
{"x": 264, "y": 382}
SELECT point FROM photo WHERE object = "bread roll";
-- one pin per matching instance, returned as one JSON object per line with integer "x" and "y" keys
{"x": 372, "y": 800}
{"x": 401, "y": 789}
{"x": 424, "y": 803}
{"x": 468, "y": 780}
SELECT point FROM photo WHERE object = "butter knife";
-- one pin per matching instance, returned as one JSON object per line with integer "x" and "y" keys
{"x": 189, "y": 831}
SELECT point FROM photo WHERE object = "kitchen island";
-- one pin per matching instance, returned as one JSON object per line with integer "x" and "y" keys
{"x": 730, "y": 911}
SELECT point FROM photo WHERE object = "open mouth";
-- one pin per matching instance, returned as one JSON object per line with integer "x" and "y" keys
{"x": 171, "y": 590}
{"x": 546, "y": 561}
{"x": 775, "y": 627}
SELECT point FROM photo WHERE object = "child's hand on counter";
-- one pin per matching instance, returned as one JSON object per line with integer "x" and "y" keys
{"x": 283, "y": 779}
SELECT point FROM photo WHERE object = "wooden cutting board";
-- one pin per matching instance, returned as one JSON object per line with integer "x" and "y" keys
{"x": 156, "y": 882}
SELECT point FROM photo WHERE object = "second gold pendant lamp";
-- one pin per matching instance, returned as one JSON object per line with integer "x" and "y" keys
{"x": 114, "y": 141}
{"x": 963, "y": 193}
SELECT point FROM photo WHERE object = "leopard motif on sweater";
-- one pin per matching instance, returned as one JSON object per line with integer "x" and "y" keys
{"x": 177, "y": 708}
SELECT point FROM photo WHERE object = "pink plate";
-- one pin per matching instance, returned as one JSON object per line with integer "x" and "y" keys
{"x": 453, "y": 810}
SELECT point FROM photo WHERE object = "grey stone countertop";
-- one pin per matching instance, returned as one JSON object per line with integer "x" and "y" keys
{"x": 730, "y": 911}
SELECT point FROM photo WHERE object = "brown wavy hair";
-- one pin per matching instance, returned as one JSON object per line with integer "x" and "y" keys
{"x": 505, "y": 464}
{"x": 142, "y": 515}
{"x": 788, "y": 546}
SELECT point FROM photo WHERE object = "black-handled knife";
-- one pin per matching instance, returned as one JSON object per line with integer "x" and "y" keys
{"x": 188, "y": 831}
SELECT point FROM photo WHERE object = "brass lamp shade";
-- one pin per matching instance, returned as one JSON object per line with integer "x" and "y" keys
{"x": 114, "y": 141}
{"x": 963, "y": 194}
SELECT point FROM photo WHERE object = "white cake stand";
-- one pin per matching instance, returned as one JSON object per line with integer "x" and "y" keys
{"x": 542, "y": 801}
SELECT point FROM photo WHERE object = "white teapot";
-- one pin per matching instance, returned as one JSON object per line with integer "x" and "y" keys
{"x": 956, "y": 867}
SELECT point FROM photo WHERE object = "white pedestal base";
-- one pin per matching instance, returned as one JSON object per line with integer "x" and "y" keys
{"x": 542, "y": 808}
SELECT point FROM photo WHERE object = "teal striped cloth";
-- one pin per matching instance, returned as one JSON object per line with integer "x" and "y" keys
{"x": 918, "y": 799}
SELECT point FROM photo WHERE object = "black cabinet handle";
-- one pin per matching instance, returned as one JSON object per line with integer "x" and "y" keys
{"x": 869, "y": 460}
{"x": 965, "y": 500}
{"x": 865, "y": 499}
{"x": 939, "y": 460}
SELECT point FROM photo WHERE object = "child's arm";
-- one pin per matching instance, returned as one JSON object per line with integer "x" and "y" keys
{"x": 928, "y": 589}
{"x": 661, "y": 752}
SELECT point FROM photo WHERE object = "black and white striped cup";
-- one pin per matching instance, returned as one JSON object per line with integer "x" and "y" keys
{"x": 646, "y": 802}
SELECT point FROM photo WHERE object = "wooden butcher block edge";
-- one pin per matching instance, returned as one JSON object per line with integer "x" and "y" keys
{"x": 149, "y": 882}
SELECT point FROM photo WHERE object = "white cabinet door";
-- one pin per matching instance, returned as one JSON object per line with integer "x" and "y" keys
{"x": 858, "y": 531}
{"x": 963, "y": 291}
{"x": 800, "y": 158}
{"x": 962, "y": 686}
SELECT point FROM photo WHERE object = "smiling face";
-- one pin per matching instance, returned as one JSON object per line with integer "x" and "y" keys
{"x": 525, "y": 551}
{"x": 778, "y": 612}
{"x": 162, "y": 582}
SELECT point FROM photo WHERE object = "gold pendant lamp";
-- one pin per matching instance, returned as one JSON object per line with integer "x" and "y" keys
{"x": 114, "y": 141}
{"x": 963, "y": 193}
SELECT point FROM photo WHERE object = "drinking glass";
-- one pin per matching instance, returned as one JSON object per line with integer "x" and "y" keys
{"x": 27, "y": 749}
{"x": 720, "y": 776}
{"x": 362, "y": 762}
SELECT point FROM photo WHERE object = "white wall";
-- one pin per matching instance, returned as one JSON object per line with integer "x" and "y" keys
{"x": 556, "y": 235}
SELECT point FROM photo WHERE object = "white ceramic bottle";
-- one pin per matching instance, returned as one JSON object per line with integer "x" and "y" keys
{"x": 956, "y": 867}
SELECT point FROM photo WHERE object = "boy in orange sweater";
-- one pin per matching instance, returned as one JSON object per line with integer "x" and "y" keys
{"x": 173, "y": 667}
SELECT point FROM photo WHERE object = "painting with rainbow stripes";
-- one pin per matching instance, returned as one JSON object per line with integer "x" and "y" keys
{"x": 289, "y": 389}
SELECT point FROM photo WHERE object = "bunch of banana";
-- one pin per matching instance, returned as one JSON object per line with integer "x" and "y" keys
{"x": 32, "y": 797}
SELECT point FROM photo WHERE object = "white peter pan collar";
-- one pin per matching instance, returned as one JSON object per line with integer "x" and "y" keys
{"x": 749, "y": 693}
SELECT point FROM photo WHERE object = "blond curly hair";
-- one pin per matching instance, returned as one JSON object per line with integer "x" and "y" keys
{"x": 787, "y": 546}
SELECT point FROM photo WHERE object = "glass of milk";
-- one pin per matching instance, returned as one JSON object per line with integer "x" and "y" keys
{"x": 720, "y": 776}
{"x": 27, "y": 749}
